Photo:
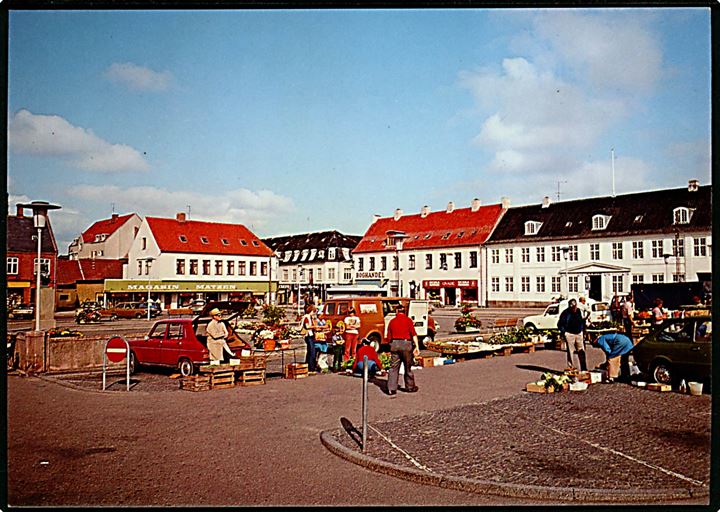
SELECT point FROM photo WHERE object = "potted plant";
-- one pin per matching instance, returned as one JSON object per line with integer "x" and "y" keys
{"x": 467, "y": 322}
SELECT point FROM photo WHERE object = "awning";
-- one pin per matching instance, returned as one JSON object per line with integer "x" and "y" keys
{"x": 18, "y": 284}
{"x": 134, "y": 285}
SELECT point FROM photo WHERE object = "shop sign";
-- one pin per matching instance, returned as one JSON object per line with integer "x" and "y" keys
{"x": 370, "y": 275}
{"x": 121, "y": 285}
{"x": 451, "y": 283}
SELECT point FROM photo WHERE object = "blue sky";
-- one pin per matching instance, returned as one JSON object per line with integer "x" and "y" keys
{"x": 306, "y": 120}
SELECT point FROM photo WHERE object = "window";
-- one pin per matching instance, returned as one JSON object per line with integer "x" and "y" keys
{"x": 573, "y": 285}
{"x": 139, "y": 267}
{"x": 295, "y": 275}
{"x": 255, "y": 243}
{"x": 180, "y": 267}
{"x": 525, "y": 254}
{"x": 682, "y": 215}
{"x": 617, "y": 250}
{"x": 331, "y": 274}
{"x": 657, "y": 248}
{"x": 182, "y": 238}
{"x": 242, "y": 268}
{"x": 555, "y": 284}
{"x": 617, "y": 284}
{"x": 638, "y": 279}
{"x": 231, "y": 268}
{"x": 532, "y": 227}
{"x": 509, "y": 284}
{"x": 286, "y": 275}
{"x": 263, "y": 268}
{"x": 206, "y": 267}
{"x": 411, "y": 262}
{"x": 600, "y": 222}
{"x": 443, "y": 261}
{"x": 12, "y": 266}
{"x": 658, "y": 278}
{"x": 509, "y": 255}
{"x": 361, "y": 264}
{"x": 193, "y": 267}
{"x": 144, "y": 243}
{"x": 595, "y": 252}
{"x": 700, "y": 246}
{"x": 224, "y": 241}
{"x": 446, "y": 236}
{"x": 428, "y": 261}
{"x": 495, "y": 284}
{"x": 458, "y": 260}
{"x": 331, "y": 253}
{"x": 218, "y": 267}
{"x": 573, "y": 253}
{"x": 555, "y": 252}
{"x": 540, "y": 254}
{"x": 175, "y": 331}
{"x": 679, "y": 247}
{"x": 253, "y": 268}
{"x": 540, "y": 283}
{"x": 319, "y": 276}
{"x": 495, "y": 255}
{"x": 383, "y": 262}
{"x": 638, "y": 250}
{"x": 678, "y": 278}
{"x": 347, "y": 274}
{"x": 372, "y": 263}
{"x": 243, "y": 242}
{"x": 525, "y": 284}
{"x": 309, "y": 273}
{"x": 473, "y": 259}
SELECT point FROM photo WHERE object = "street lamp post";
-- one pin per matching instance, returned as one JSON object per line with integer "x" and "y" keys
{"x": 40, "y": 210}
{"x": 148, "y": 260}
{"x": 565, "y": 249}
{"x": 300, "y": 269}
{"x": 397, "y": 237}
{"x": 666, "y": 257}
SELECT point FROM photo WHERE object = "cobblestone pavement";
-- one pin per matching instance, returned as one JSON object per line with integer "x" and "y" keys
{"x": 610, "y": 437}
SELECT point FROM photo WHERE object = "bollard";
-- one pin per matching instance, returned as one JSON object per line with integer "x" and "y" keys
{"x": 364, "y": 402}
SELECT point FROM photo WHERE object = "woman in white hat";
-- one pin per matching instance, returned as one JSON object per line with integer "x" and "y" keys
{"x": 216, "y": 336}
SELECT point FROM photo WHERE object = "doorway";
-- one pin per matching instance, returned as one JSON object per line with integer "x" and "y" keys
{"x": 450, "y": 296}
{"x": 595, "y": 292}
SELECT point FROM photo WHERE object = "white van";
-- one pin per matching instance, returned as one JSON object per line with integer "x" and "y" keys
{"x": 599, "y": 312}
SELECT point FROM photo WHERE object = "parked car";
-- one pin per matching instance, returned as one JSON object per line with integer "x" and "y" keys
{"x": 599, "y": 312}
{"x": 182, "y": 342}
{"x": 679, "y": 348}
{"x": 154, "y": 309}
{"x": 20, "y": 311}
{"x": 197, "y": 306}
{"x": 128, "y": 310}
{"x": 376, "y": 312}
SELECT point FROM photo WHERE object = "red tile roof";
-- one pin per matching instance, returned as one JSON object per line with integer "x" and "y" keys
{"x": 206, "y": 237}
{"x": 461, "y": 227}
{"x": 87, "y": 269}
{"x": 106, "y": 226}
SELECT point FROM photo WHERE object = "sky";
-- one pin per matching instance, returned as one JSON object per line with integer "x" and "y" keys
{"x": 293, "y": 121}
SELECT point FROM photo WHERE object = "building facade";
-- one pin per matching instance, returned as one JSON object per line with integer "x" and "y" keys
{"x": 309, "y": 263}
{"x": 179, "y": 260}
{"x": 106, "y": 239}
{"x": 429, "y": 255}
{"x": 81, "y": 280}
{"x": 599, "y": 247}
{"x": 21, "y": 258}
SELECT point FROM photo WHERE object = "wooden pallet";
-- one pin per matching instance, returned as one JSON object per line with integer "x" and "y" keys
{"x": 222, "y": 380}
{"x": 529, "y": 349}
{"x": 296, "y": 371}
{"x": 251, "y": 378}
{"x": 195, "y": 383}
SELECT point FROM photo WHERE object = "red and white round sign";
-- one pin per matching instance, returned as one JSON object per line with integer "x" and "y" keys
{"x": 116, "y": 349}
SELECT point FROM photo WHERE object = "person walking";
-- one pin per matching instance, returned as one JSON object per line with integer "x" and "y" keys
{"x": 617, "y": 349}
{"x": 403, "y": 347}
{"x": 572, "y": 327}
{"x": 307, "y": 326}
{"x": 352, "y": 329}
{"x": 628, "y": 311}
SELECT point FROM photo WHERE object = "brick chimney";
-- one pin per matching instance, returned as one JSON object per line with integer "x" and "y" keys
{"x": 398, "y": 214}
{"x": 424, "y": 211}
{"x": 546, "y": 202}
{"x": 693, "y": 185}
{"x": 375, "y": 218}
{"x": 20, "y": 212}
{"x": 114, "y": 217}
{"x": 181, "y": 217}
{"x": 450, "y": 207}
{"x": 505, "y": 201}
{"x": 475, "y": 204}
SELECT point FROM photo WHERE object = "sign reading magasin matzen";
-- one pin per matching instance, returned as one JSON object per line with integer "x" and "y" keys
{"x": 450, "y": 283}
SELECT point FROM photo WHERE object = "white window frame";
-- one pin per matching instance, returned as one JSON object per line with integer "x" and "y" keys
{"x": 638, "y": 250}
{"x": 700, "y": 246}
{"x": 495, "y": 284}
{"x": 573, "y": 284}
{"x": 509, "y": 284}
{"x": 595, "y": 252}
{"x": 540, "y": 284}
{"x": 525, "y": 254}
{"x": 532, "y": 227}
{"x": 617, "y": 250}
{"x": 682, "y": 215}
{"x": 540, "y": 253}
{"x": 525, "y": 284}
{"x": 13, "y": 265}
{"x": 600, "y": 222}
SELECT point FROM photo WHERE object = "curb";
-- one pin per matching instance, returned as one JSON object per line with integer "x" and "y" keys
{"x": 478, "y": 486}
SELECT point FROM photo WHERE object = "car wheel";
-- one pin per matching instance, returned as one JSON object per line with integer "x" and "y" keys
{"x": 186, "y": 367}
{"x": 133, "y": 363}
{"x": 113, "y": 317}
{"x": 375, "y": 341}
{"x": 139, "y": 315}
{"x": 530, "y": 328}
{"x": 662, "y": 373}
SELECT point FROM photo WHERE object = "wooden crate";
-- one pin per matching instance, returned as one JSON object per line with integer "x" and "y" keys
{"x": 296, "y": 371}
{"x": 222, "y": 380}
{"x": 251, "y": 378}
{"x": 654, "y": 386}
{"x": 195, "y": 383}
{"x": 534, "y": 387}
{"x": 505, "y": 351}
{"x": 425, "y": 361}
{"x": 527, "y": 349}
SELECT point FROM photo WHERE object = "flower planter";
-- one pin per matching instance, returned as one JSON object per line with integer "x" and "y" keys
{"x": 269, "y": 344}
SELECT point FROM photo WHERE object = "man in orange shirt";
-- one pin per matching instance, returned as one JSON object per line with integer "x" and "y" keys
{"x": 403, "y": 347}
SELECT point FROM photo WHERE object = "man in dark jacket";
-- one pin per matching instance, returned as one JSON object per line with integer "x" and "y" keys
{"x": 572, "y": 327}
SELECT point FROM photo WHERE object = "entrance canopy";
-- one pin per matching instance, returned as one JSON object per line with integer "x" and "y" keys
{"x": 596, "y": 268}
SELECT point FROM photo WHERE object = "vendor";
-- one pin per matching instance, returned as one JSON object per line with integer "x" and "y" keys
{"x": 374, "y": 363}
{"x": 617, "y": 349}
{"x": 217, "y": 334}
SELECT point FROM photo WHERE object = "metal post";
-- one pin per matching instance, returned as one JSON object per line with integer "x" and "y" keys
{"x": 364, "y": 402}
{"x": 148, "y": 299}
{"x": 104, "y": 365}
{"x": 37, "y": 280}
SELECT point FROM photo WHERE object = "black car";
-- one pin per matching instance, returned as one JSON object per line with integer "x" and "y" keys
{"x": 680, "y": 348}
{"x": 19, "y": 311}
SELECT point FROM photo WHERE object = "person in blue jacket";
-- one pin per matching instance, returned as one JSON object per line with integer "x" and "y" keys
{"x": 616, "y": 345}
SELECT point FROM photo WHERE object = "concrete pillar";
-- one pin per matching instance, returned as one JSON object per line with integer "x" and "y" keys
{"x": 47, "y": 308}
{"x": 31, "y": 351}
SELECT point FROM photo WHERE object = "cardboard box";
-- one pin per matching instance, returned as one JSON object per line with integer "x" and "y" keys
{"x": 654, "y": 386}
{"x": 536, "y": 387}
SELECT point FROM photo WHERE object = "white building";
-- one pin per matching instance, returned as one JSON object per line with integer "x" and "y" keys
{"x": 440, "y": 254}
{"x": 179, "y": 260}
{"x": 106, "y": 239}
{"x": 599, "y": 246}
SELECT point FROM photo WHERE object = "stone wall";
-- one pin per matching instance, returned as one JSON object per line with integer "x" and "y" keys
{"x": 40, "y": 354}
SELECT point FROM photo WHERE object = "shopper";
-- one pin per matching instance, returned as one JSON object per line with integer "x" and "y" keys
{"x": 628, "y": 311}
{"x": 352, "y": 329}
{"x": 403, "y": 348}
{"x": 338, "y": 348}
{"x": 307, "y": 327}
{"x": 374, "y": 363}
{"x": 658, "y": 315}
{"x": 617, "y": 349}
{"x": 572, "y": 326}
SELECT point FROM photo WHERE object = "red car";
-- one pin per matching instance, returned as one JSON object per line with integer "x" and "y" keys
{"x": 182, "y": 342}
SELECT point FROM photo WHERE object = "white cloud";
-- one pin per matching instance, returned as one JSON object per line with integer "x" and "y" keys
{"x": 138, "y": 78}
{"x": 51, "y": 135}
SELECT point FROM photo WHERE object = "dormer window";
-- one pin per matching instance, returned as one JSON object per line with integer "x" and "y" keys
{"x": 204, "y": 240}
{"x": 224, "y": 241}
{"x": 638, "y": 219}
{"x": 243, "y": 242}
{"x": 568, "y": 224}
{"x": 446, "y": 236}
{"x": 182, "y": 238}
{"x": 682, "y": 215}
{"x": 321, "y": 254}
{"x": 255, "y": 243}
{"x": 600, "y": 222}
{"x": 331, "y": 253}
{"x": 427, "y": 237}
{"x": 460, "y": 234}
{"x": 532, "y": 227}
